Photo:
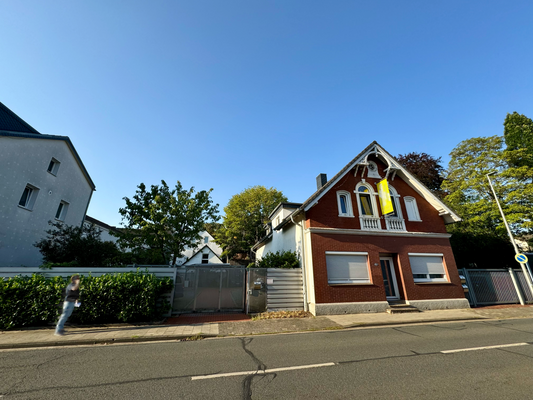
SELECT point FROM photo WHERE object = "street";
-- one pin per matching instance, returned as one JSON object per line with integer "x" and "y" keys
{"x": 401, "y": 362}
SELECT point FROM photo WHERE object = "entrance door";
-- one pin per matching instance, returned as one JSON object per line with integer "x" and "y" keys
{"x": 389, "y": 278}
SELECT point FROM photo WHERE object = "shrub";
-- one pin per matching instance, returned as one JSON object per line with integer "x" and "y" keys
{"x": 124, "y": 297}
{"x": 279, "y": 259}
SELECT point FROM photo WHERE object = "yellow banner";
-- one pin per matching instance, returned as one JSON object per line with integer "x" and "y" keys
{"x": 384, "y": 197}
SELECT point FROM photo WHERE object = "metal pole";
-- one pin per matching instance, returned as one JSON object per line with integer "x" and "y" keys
{"x": 516, "y": 286}
{"x": 522, "y": 265}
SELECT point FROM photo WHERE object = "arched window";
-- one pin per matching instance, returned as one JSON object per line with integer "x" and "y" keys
{"x": 366, "y": 204}
{"x": 344, "y": 203}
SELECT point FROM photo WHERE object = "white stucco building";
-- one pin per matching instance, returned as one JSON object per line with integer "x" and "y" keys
{"x": 206, "y": 252}
{"x": 42, "y": 178}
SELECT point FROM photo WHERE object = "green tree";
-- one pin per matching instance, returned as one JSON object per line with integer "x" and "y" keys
{"x": 518, "y": 134}
{"x": 426, "y": 168}
{"x": 469, "y": 192}
{"x": 245, "y": 219}
{"x": 76, "y": 245}
{"x": 164, "y": 222}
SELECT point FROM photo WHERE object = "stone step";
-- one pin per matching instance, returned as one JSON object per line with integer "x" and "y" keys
{"x": 401, "y": 308}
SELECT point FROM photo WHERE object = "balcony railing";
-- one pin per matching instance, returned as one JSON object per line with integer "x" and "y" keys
{"x": 395, "y": 224}
{"x": 370, "y": 223}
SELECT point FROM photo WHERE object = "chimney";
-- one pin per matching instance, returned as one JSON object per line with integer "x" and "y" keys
{"x": 321, "y": 180}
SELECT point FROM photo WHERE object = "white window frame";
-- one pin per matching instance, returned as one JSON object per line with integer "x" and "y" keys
{"x": 412, "y": 209}
{"x": 30, "y": 198}
{"x": 428, "y": 278}
{"x": 354, "y": 281}
{"x": 54, "y": 163}
{"x": 206, "y": 259}
{"x": 368, "y": 222}
{"x": 62, "y": 210}
{"x": 348, "y": 204}
{"x": 395, "y": 223}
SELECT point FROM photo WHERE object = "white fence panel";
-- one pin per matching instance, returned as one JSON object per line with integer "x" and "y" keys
{"x": 284, "y": 289}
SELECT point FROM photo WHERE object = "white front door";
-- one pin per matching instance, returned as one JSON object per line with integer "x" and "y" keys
{"x": 389, "y": 278}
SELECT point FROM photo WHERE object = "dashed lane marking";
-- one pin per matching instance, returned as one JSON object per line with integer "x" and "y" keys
{"x": 262, "y": 372}
{"x": 484, "y": 348}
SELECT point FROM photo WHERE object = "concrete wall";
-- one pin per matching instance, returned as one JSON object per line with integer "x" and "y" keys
{"x": 25, "y": 161}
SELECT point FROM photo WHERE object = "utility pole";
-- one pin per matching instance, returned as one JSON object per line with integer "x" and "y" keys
{"x": 522, "y": 265}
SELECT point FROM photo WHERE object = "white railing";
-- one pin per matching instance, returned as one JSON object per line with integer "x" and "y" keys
{"x": 395, "y": 224}
{"x": 370, "y": 223}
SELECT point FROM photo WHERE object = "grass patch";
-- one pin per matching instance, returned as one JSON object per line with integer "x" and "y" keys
{"x": 198, "y": 336}
{"x": 282, "y": 314}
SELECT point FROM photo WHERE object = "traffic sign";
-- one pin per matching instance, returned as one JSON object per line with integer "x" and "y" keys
{"x": 521, "y": 258}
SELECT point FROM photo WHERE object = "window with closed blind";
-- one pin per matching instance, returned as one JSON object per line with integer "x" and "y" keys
{"x": 427, "y": 267}
{"x": 347, "y": 268}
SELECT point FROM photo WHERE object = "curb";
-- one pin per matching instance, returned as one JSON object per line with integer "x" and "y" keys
{"x": 422, "y": 321}
{"x": 98, "y": 341}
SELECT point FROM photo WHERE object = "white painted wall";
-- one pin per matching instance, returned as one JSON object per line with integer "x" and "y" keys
{"x": 197, "y": 258}
{"x": 26, "y": 160}
{"x": 188, "y": 253}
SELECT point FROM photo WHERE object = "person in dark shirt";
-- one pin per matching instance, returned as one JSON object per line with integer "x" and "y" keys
{"x": 72, "y": 294}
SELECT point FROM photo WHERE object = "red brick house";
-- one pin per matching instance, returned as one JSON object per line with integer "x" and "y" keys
{"x": 354, "y": 258}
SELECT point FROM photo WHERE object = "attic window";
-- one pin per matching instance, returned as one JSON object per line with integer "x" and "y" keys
{"x": 344, "y": 204}
{"x": 205, "y": 258}
{"x": 411, "y": 208}
{"x": 206, "y": 239}
{"x": 53, "y": 167}
{"x": 373, "y": 170}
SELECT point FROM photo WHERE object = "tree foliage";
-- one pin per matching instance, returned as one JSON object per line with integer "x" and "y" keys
{"x": 81, "y": 246}
{"x": 426, "y": 168}
{"x": 469, "y": 192}
{"x": 518, "y": 134}
{"x": 279, "y": 259}
{"x": 245, "y": 219}
{"x": 162, "y": 223}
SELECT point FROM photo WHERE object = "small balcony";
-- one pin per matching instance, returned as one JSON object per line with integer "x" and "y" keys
{"x": 395, "y": 224}
{"x": 370, "y": 223}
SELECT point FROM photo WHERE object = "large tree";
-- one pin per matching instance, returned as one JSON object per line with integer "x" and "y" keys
{"x": 81, "y": 246}
{"x": 165, "y": 222}
{"x": 245, "y": 217}
{"x": 518, "y": 134}
{"x": 469, "y": 192}
{"x": 426, "y": 168}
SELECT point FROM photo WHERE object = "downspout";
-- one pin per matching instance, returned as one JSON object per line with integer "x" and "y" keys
{"x": 304, "y": 271}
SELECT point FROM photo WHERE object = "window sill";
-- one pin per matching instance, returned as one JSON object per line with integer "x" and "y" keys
{"x": 434, "y": 283}
{"x": 25, "y": 208}
{"x": 414, "y": 220}
{"x": 346, "y": 216}
{"x": 352, "y": 284}
{"x": 51, "y": 173}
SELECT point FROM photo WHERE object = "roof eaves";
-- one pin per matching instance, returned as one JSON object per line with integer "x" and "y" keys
{"x": 54, "y": 137}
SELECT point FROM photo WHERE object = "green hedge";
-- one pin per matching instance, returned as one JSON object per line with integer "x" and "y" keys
{"x": 125, "y": 297}
{"x": 279, "y": 259}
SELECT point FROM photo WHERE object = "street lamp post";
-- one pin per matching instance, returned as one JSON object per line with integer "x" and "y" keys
{"x": 522, "y": 265}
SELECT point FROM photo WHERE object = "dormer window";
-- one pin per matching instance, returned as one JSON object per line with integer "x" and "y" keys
{"x": 53, "y": 167}
{"x": 344, "y": 204}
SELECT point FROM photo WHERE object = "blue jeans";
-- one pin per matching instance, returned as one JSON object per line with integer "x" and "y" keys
{"x": 68, "y": 307}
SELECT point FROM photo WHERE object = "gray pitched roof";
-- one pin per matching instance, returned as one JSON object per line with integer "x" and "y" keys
{"x": 11, "y": 122}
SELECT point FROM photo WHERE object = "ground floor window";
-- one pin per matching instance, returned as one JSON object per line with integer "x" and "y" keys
{"x": 345, "y": 268}
{"x": 427, "y": 267}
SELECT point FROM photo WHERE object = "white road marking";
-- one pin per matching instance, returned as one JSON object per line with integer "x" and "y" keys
{"x": 261, "y": 372}
{"x": 484, "y": 348}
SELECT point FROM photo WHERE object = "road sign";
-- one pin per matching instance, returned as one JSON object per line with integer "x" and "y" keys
{"x": 521, "y": 258}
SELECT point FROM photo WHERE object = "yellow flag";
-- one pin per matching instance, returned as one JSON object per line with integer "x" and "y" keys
{"x": 384, "y": 197}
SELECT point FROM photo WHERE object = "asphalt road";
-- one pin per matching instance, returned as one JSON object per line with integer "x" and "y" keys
{"x": 407, "y": 362}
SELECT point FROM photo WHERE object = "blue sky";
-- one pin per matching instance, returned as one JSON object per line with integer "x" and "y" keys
{"x": 232, "y": 94}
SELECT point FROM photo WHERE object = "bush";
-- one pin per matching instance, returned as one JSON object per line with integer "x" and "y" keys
{"x": 279, "y": 259}
{"x": 126, "y": 297}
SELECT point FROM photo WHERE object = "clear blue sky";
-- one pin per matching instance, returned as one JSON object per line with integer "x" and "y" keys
{"x": 232, "y": 94}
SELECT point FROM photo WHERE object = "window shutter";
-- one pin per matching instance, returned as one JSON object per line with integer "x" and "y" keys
{"x": 347, "y": 268}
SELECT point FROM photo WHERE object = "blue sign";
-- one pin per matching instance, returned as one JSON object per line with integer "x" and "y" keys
{"x": 521, "y": 258}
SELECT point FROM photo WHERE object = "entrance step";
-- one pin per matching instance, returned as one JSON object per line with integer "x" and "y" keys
{"x": 400, "y": 307}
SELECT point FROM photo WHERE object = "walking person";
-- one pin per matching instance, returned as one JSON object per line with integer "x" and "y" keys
{"x": 72, "y": 294}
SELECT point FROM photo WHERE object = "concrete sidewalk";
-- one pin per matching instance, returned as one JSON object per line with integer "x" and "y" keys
{"x": 129, "y": 333}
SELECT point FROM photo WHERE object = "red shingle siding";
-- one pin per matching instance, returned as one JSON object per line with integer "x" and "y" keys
{"x": 398, "y": 247}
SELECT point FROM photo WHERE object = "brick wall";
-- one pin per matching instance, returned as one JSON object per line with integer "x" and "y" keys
{"x": 326, "y": 213}
{"x": 376, "y": 246}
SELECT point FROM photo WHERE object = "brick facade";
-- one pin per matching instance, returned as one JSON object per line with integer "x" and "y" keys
{"x": 325, "y": 214}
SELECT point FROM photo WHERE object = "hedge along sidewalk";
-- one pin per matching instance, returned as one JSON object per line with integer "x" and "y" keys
{"x": 120, "y": 297}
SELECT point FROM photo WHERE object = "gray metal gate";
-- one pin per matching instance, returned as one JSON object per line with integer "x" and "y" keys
{"x": 495, "y": 286}
{"x": 209, "y": 288}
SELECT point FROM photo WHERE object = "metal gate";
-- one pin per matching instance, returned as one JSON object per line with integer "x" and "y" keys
{"x": 492, "y": 286}
{"x": 209, "y": 288}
